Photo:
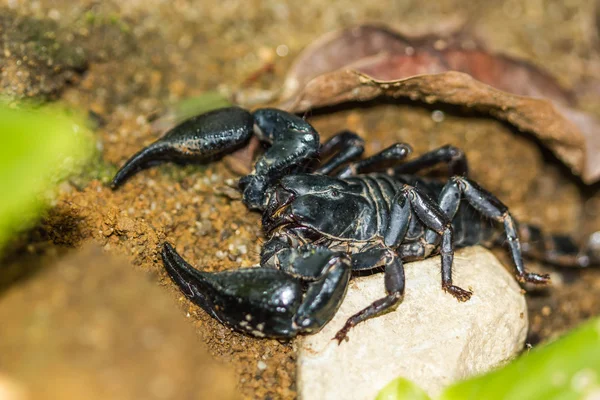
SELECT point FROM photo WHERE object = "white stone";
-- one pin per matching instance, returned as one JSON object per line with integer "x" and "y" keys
{"x": 430, "y": 339}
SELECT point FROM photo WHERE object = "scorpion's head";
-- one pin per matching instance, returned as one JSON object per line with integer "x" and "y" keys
{"x": 323, "y": 204}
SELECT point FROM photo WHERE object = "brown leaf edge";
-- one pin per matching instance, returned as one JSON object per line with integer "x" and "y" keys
{"x": 534, "y": 115}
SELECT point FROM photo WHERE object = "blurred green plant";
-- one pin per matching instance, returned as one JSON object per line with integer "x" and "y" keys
{"x": 568, "y": 368}
{"x": 401, "y": 388}
{"x": 40, "y": 146}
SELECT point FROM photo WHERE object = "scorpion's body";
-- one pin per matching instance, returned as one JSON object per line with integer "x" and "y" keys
{"x": 322, "y": 222}
{"x": 470, "y": 228}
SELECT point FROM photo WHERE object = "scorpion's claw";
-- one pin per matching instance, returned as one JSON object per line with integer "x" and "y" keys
{"x": 263, "y": 301}
{"x": 196, "y": 139}
{"x": 257, "y": 301}
{"x": 459, "y": 293}
{"x": 154, "y": 152}
{"x": 530, "y": 277}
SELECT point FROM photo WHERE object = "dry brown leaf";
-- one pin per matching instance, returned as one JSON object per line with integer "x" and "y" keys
{"x": 362, "y": 63}
{"x": 533, "y": 115}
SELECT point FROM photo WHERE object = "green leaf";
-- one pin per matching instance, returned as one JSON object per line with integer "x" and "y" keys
{"x": 402, "y": 389}
{"x": 38, "y": 149}
{"x": 568, "y": 368}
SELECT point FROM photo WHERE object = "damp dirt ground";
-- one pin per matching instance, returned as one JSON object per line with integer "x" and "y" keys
{"x": 128, "y": 62}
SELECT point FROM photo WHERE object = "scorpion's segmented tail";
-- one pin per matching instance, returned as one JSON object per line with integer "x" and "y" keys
{"x": 559, "y": 250}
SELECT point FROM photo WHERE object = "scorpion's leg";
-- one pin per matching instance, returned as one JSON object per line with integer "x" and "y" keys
{"x": 452, "y": 156}
{"x": 394, "y": 285}
{"x": 294, "y": 144}
{"x": 559, "y": 250}
{"x": 400, "y": 218}
{"x": 488, "y": 205}
{"x": 347, "y": 145}
{"x": 264, "y": 302}
{"x": 439, "y": 225}
{"x": 396, "y": 152}
{"x": 198, "y": 138}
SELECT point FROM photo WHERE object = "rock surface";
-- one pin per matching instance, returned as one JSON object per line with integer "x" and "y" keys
{"x": 92, "y": 327}
{"x": 431, "y": 338}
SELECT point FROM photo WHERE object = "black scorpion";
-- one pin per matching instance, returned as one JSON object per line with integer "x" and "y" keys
{"x": 325, "y": 221}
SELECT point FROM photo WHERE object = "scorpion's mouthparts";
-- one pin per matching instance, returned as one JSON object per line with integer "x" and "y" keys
{"x": 279, "y": 219}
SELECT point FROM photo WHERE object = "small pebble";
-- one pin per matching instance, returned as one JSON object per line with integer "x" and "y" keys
{"x": 437, "y": 116}
{"x": 220, "y": 254}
